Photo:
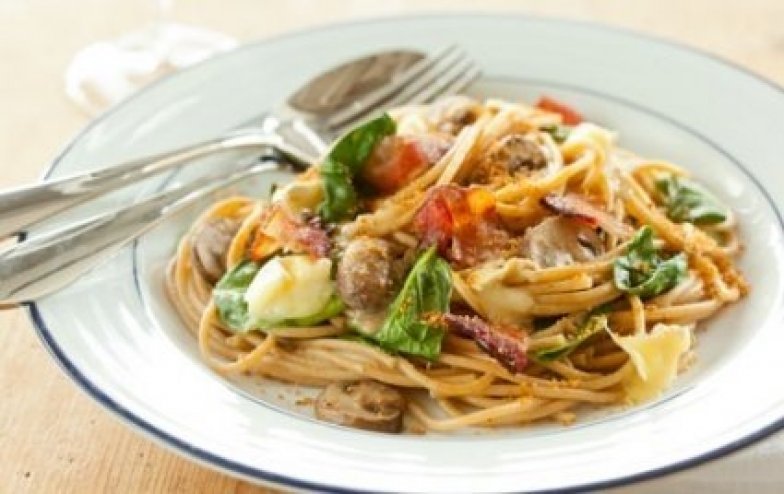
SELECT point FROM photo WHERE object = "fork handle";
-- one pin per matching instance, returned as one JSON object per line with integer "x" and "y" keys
{"x": 46, "y": 263}
{"x": 27, "y": 205}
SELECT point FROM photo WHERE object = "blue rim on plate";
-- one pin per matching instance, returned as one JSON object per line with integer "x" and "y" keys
{"x": 207, "y": 458}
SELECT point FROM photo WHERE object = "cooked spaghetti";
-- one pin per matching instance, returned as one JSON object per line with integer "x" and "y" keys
{"x": 464, "y": 264}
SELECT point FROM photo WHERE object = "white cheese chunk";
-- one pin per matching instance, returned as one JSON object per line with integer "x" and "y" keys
{"x": 655, "y": 357}
{"x": 587, "y": 132}
{"x": 506, "y": 304}
{"x": 300, "y": 195}
{"x": 500, "y": 302}
{"x": 290, "y": 287}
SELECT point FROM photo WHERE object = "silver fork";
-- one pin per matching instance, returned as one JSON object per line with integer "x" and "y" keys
{"x": 45, "y": 263}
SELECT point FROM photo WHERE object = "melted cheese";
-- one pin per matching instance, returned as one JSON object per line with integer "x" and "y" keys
{"x": 290, "y": 287}
{"x": 588, "y": 136}
{"x": 412, "y": 123}
{"x": 300, "y": 195}
{"x": 506, "y": 304}
{"x": 655, "y": 357}
{"x": 501, "y": 303}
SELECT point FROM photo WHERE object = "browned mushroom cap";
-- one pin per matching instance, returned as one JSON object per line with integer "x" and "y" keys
{"x": 367, "y": 274}
{"x": 364, "y": 404}
{"x": 518, "y": 152}
{"x": 453, "y": 113}
{"x": 209, "y": 245}
{"x": 559, "y": 241}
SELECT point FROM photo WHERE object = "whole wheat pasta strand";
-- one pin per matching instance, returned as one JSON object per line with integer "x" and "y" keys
{"x": 467, "y": 383}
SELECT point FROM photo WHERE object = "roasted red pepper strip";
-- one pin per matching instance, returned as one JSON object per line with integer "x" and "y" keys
{"x": 570, "y": 115}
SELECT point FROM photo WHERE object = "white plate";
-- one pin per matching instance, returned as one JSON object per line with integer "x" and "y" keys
{"x": 116, "y": 336}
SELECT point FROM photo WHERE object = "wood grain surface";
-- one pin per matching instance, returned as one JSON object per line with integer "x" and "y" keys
{"x": 53, "y": 438}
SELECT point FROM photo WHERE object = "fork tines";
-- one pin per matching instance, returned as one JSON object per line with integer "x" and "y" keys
{"x": 445, "y": 73}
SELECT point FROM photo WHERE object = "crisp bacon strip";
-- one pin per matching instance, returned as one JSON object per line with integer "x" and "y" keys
{"x": 312, "y": 238}
{"x": 579, "y": 208}
{"x": 569, "y": 115}
{"x": 399, "y": 159}
{"x": 506, "y": 344}
{"x": 462, "y": 223}
{"x": 278, "y": 229}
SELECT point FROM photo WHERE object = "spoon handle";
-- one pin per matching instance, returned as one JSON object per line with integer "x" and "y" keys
{"x": 24, "y": 206}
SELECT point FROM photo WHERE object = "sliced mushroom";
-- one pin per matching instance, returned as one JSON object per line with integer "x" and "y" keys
{"x": 368, "y": 274}
{"x": 210, "y": 244}
{"x": 364, "y": 404}
{"x": 512, "y": 155}
{"x": 518, "y": 152}
{"x": 451, "y": 114}
{"x": 559, "y": 241}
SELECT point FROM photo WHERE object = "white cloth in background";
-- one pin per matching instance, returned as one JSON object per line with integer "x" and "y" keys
{"x": 106, "y": 72}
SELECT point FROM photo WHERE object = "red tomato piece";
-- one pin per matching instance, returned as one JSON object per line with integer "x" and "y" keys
{"x": 434, "y": 222}
{"x": 462, "y": 223}
{"x": 570, "y": 115}
{"x": 399, "y": 159}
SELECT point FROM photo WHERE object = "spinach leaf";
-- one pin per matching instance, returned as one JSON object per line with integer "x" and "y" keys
{"x": 559, "y": 133}
{"x": 641, "y": 271}
{"x": 229, "y": 295}
{"x": 229, "y": 298}
{"x": 686, "y": 200}
{"x": 427, "y": 290}
{"x": 591, "y": 326}
{"x": 545, "y": 322}
{"x": 344, "y": 162}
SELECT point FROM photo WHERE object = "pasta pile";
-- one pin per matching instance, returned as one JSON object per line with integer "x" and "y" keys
{"x": 493, "y": 262}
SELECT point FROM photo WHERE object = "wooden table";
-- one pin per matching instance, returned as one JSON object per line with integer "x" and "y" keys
{"x": 52, "y": 437}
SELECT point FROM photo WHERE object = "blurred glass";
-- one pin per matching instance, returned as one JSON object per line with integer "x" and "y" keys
{"x": 107, "y": 71}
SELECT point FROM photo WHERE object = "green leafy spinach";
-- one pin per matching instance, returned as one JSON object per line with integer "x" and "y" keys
{"x": 686, "y": 200}
{"x": 229, "y": 295}
{"x": 344, "y": 162}
{"x": 643, "y": 272}
{"x": 593, "y": 324}
{"x": 427, "y": 290}
{"x": 559, "y": 133}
